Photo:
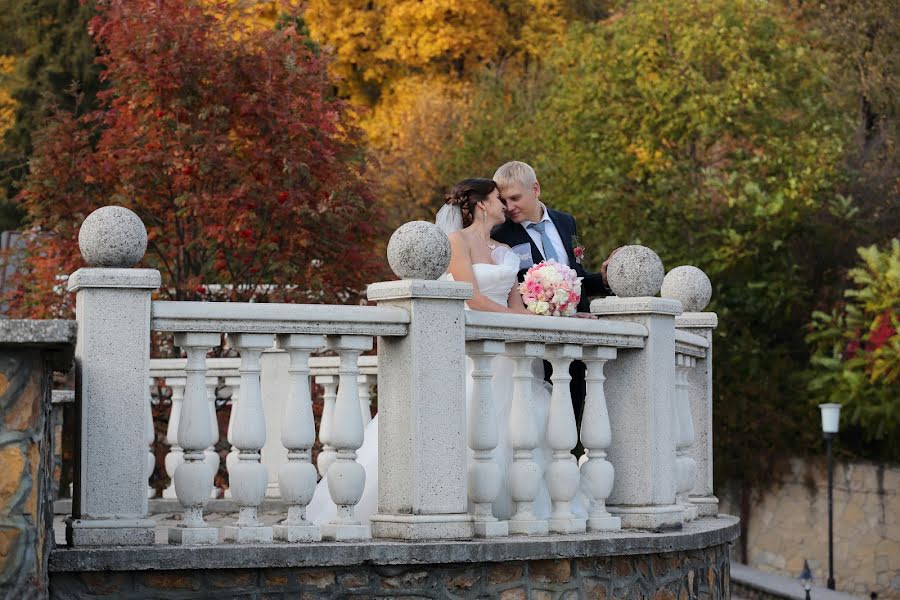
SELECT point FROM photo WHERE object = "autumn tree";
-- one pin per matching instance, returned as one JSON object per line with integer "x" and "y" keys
{"x": 226, "y": 141}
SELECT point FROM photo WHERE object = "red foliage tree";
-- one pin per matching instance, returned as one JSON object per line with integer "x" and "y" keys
{"x": 230, "y": 146}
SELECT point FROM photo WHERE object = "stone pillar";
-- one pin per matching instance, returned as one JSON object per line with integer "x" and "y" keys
{"x": 640, "y": 385}
{"x": 422, "y": 394}
{"x": 639, "y": 394}
{"x": 693, "y": 289}
{"x": 112, "y": 365}
{"x": 29, "y": 352}
{"x": 700, "y": 394}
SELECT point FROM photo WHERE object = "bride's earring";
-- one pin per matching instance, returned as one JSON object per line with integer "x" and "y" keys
{"x": 484, "y": 216}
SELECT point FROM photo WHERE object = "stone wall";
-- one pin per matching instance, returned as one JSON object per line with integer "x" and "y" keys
{"x": 698, "y": 574}
{"x": 28, "y": 353}
{"x": 790, "y": 524}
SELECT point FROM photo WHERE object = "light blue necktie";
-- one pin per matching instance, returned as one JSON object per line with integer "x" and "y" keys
{"x": 549, "y": 250}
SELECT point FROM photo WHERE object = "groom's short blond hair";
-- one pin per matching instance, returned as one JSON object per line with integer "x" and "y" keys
{"x": 515, "y": 172}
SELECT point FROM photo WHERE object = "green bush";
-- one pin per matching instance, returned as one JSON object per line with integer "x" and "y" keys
{"x": 856, "y": 350}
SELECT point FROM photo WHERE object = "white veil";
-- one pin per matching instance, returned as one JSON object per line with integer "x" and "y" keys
{"x": 449, "y": 219}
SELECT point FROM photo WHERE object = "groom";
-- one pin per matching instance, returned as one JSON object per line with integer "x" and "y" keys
{"x": 536, "y": 233}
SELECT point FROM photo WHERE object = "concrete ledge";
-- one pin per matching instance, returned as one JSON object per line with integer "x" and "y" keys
{"x": 54, "y": 336}
{"x": 702, "y": 533}
{"x": 156, "y": 506}
{"x": 769, "y": 585}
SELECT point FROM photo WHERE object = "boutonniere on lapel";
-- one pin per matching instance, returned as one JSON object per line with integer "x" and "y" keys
{"x": 577, "y": 249}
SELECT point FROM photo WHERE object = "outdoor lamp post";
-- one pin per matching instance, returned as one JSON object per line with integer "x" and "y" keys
{"x": 806, "y": 579}
{"x": 831, "y": 414}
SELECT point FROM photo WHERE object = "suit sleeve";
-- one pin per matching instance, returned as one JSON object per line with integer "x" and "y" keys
{"x": 592, "y": 283}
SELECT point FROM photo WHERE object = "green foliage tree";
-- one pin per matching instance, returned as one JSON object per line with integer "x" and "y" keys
{"x": 856, "y": 357}
{"x": 863, "y": 40}
{"x": 56, "y": 68}
{"x": 706, "y": 131}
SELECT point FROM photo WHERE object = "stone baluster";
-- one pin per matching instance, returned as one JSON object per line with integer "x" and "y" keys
{"x": 112, "y": 358}
{"x": 346, "y": 477}
{"x": 365, "y": 397}
{"x": 596, "y": 437}
{"x": 562, "y": 474}
{"x": 684, "y": 463}
{"x": 248, "y": 477}
{"x": 212, "y": 457}
{"x": 234, "y": 383}
{"x": 484, "y": 434}
{"x": 327, "y": 454}
{"x": 149, "y": 438}
{"x": 193, "y": 477}
{"x": 176, "y": 455}
{"x": 525, "y": 474}
{"x": 297, "y": 477}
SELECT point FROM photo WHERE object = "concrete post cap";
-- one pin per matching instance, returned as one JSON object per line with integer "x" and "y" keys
{"x": 690, "y": 286}
{"x": 112, "y": 237}
{"x": 419, "y": 250}
{"x": 635, "y": 271}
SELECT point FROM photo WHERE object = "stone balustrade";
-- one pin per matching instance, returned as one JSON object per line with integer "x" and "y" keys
{"x": 223, "y": 381}
{"x": 645, "y": 428}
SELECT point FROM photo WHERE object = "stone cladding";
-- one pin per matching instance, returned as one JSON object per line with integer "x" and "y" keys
{"x": 691, "y": 575}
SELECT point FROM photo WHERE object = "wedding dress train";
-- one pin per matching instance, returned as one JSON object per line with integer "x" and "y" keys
{"x": 495, "y": 280}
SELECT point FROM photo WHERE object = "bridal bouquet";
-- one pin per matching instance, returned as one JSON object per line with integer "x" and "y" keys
{"x": 552, "y": 289}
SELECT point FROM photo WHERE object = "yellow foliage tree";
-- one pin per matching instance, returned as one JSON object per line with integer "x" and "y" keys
{"x": 416, "y": 120}
{"x": 377, "y": 42}
{"x": 256, "y": 14}
{"x": 409, "y": 64}
{"x": 7, "y": 84}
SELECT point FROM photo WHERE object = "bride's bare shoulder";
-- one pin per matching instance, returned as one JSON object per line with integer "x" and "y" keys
{"x": 458, "y": 238}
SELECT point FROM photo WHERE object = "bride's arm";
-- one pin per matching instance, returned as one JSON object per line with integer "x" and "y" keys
{"x": 515, "y": 300}
{"x": 461, "y": 269}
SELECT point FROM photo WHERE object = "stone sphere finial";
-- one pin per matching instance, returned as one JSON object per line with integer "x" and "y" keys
{"x": 419, "y": 250}
{"x": 635, "y": 271}
{"x": 112, "y": 236}
{"x": 689, "y": 285}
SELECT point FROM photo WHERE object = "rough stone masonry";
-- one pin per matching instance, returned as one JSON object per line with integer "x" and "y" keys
{"x": 29, "y": 353}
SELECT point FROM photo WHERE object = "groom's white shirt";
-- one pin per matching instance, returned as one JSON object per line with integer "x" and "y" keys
{"x": 552, "y": 233}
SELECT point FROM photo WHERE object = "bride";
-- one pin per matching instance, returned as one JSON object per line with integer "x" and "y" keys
{"x": 471, "y": 210}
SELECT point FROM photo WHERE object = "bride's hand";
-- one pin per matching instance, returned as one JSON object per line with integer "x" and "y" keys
{"x": 585, "y": 316}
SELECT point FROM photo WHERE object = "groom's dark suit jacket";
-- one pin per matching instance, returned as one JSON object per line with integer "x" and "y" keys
{"x": 513, "y": 234}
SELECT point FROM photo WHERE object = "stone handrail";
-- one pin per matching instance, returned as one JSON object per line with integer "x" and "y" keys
{"x": 553, "y": 330}
{"x": 239, "y": 317}
{"x": 690, "y": 344}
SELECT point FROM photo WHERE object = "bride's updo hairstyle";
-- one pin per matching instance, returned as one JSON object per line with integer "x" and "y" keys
{"x": 467, "y": 194}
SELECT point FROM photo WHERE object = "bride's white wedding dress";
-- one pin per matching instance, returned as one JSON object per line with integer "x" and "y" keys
{"x": 494, "y": 281}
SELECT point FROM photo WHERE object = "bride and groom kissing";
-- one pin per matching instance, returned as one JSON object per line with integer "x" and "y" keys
{"x": 498, "y": 228}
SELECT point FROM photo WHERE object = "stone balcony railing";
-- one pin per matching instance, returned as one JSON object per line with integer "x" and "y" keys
{"x": 646, "y": 425}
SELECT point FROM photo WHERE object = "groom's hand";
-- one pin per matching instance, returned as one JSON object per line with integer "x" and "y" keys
{"x": 585, "y": 316}
{"x": 605, "y": 265}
